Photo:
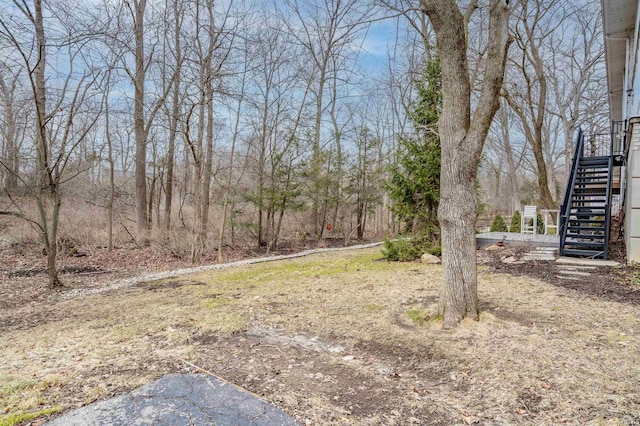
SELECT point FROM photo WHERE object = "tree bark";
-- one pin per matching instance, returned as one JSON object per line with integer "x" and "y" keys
{"x": 462, "y": 140}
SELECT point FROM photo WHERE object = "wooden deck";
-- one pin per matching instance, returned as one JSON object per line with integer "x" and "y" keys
{"x": 537, "y": 240}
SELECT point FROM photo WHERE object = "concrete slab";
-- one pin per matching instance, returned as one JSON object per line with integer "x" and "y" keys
{"x": 538, "y": 258}
{"x": 576, "y": 267}
{"x": 180, "y": 399}
{"x": 514, "y": 238}
{"x": 586, "y": 262}
{"x": 548, "y": 250}
{"x": 576, "y": 273}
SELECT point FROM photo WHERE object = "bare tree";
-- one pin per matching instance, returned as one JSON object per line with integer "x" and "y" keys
{"x": 462, "y": 136}
{"x": 576, "y": 64}
{"x": 326, "y": 32}
{"x": 59, "y": 127}
{"x": 503, "y": 146}
{"x": 527, "y": 94}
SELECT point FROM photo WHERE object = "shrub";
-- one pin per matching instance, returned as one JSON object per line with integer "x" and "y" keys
{"x": 409, "y": 249}
{"x": 516, "y": 222}
{"x": 400, "y": 250}
{"x": 435, "y": 250}
{"x": 498, "y": 224}
{"x": 540, "y": 223}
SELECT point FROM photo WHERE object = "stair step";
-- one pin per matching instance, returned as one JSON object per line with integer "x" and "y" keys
{"x": 601, "y": 158}
{"x": 594, "y": 166}
{"x": 575, "y": 273}
{"x": 586, "y": 221}
{"x": 590, "y": 204}
{"x": 585, "y": 237}
{"x": 585, "y": 253}
{"x": 562, "y": 277}
{"x": 584, "y": 244}
{"x": 589, "y": 180}
{"x": 585, "y": 228}
{"x": 571, "y": 267}
{"x": 593, "y": 211}
{"x": 586, "y": 192}
{"x": 592, "y": 175}
{"x": 599, "y": 166}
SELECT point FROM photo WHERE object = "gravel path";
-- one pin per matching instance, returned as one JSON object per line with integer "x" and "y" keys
{"x": 130, "y": 282}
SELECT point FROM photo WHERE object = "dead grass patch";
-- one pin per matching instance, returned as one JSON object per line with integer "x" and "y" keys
{"x": 539, "y": 355}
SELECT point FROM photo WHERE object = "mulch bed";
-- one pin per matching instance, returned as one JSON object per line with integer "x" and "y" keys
{"x": 618, "y": 284}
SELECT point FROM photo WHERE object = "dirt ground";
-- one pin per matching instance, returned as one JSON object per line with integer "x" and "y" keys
{"x": 336, "y": 338}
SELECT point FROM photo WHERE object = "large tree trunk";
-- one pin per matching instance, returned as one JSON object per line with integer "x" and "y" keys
{"x": 457, "y": 216}
{"x": 546, "y": 199}
{"x": 462, "y": 140}
{"x": 142, "y": 222}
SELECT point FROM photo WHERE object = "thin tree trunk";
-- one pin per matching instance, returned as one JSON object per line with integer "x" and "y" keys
{"x": 173, "y": 124}
{"x": 11, "y": 158}
{"x": 44, "y": 179}
{"x": 227, "y": 191}
{"x": 107, "y": 128}
{"x": 206, "y": 184}
{"x": 142, "y": 222}
{"x": 175, "y": 114}
{"x": 152, "y": 191}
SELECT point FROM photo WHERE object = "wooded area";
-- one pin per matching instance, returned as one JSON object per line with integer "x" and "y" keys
{"x": 202, "y": 125}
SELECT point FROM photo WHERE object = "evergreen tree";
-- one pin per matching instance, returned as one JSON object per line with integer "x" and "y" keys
{"x": 539, "y": 224}
{"x": 414, "y": 183}
{"x": 516, "y": 222}
{"x": 498, "y": 224}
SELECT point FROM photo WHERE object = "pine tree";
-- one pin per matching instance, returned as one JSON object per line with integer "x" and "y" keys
{"x": 539, "y": 224}
{"x": 516, "y": 222}
{"x": 414, "y": 183}
{"x": 498, "y": 224}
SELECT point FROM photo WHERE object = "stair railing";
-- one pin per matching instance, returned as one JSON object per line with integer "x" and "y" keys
{"x": 565, "y": 208}
{"x": 607, "y": 209}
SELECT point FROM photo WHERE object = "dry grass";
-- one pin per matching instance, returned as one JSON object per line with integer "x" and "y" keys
{"x": 539, "y": 355}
